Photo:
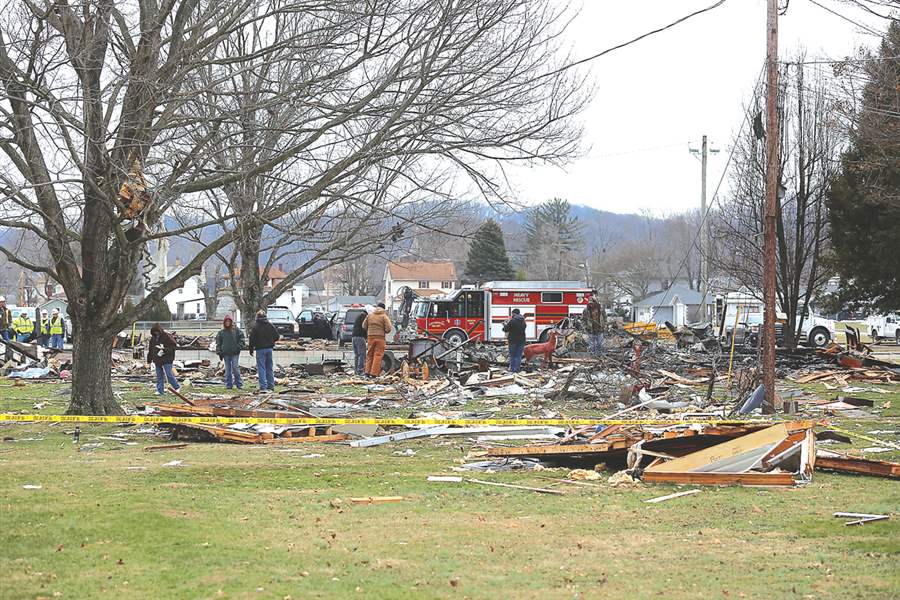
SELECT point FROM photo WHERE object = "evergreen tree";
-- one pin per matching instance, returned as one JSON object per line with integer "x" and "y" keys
{"x": 865, "y": 199}
{"x": 160, "y": 312}
{"x": 554, "y": 235}
{"x": 487, "y": 260}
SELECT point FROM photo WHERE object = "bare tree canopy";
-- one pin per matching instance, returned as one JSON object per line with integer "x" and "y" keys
{"x": 810, "y": 145}
{"x": 116, "y": 114}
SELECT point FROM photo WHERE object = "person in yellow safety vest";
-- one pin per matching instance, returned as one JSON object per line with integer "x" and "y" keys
{"x": 44, "y": 331}
{"x": 57, "y": 330}
{"x": 24, "y": 327}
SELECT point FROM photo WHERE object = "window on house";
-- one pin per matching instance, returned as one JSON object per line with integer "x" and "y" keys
{"x": 552, "y": 297}
{"x": 447, "y": 284}
{"x": 180, "y": 291}
{"x": 423, "y": 285}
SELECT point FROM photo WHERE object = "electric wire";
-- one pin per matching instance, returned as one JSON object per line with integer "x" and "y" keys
{"x": 712, "y": 202}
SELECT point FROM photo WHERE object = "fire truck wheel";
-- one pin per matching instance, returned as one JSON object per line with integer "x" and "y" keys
{"x": 875, "y": 337}
{"x": 455, "y": 336}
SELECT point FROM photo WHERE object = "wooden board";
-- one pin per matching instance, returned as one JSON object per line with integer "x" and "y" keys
{"x": 865, "y": 466}
{"x": 783, "y": 479}
{"x": 769, "y": 436}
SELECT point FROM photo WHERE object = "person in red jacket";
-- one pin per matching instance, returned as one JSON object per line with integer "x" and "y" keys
{"x": 162, "y": 354}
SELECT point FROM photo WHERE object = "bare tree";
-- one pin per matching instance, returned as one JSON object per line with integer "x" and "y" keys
{"x": 361, "y": 276}
{"x": 810, "y": 146}
{"x": 96, "y": 96}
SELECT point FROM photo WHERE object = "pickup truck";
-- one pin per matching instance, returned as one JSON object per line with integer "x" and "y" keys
{"x": 816, "y": 332}
{"x": 283, "y": 321}
{"x": 884, "y": 326}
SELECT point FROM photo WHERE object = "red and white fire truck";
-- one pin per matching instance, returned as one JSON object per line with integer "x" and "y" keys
{"x": 481, "y": 312}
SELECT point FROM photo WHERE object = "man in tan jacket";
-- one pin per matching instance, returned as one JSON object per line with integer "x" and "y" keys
{"x": 377, "y": 326}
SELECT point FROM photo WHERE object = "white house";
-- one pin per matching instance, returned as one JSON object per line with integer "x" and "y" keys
{"x": 293, "y": 298}
{"x": 424, "y": 278}
{"x": 186, "y": 301}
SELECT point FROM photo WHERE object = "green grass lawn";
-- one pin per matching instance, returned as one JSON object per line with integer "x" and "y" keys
{"x": 254, "y": 522}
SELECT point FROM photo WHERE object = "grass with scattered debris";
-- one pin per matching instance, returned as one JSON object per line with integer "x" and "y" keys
{"x": 263, "y": 522}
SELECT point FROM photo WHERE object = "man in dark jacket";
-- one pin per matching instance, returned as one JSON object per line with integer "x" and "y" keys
{"x": 595, "y": 323}
{"x": 515, "y": 337}
{"x": 229, "y": 343}
{"x": 6, "y": 319}
{"x": 359, "y": 344}
{"x": 262, "y": 339}
{"x": 162, "y": 353}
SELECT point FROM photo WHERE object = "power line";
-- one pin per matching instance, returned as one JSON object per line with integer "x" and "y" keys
{"x": 712, "y": 202}
{"x": 837, "y": 61}
{"x": 634, "y": 151}
{"x": 848, "y": 19}
{"x": 637, "y": 39}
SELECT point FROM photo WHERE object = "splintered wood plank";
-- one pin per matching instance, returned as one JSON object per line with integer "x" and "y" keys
{"x": 865, "y": 466}
{"x": 516, "y": 487}
{"x": 550, "y": 450}
{"x": 671, "y": 496}
{"x": 377, "y": 499}
{"x": 337, "y": 437}
{"x": 682, "y": 380}
{"x": 182, "y": 396}
{"x": 165, "y": 447}
{"x": 782, "y": 479}
{"x": 766, "y": 437}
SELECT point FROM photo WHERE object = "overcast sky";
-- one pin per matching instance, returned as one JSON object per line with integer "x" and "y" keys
{"x": 656, "y": 96}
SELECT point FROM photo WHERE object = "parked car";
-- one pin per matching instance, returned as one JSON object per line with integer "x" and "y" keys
{"x": 314, "y": 325}
{"x": 283, "y": 320}
{"x": 345, "y": 329}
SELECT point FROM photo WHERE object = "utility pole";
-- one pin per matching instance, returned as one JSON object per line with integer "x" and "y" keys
{"x": 772, "y": 176}
{"x": 702, "y": 313}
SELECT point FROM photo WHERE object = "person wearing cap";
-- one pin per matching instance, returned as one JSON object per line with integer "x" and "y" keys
{"x": 5, "y": 319}
{"x": 162, "y": 354}
{"x": 44, "y": 329}
{"x": 377, "y": 326}
{"x": 23, "y": 326}
{"x": 57, "y": 329}
{"x": 229, "y": 343}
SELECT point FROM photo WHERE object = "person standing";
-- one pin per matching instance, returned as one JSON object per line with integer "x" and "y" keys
{"x": 515, "y": 337}
{"x": 23, "y": 327}
{"x": 263, "y": 336}
{"x": 162, "y": 354}
{"x": 57, "y": 330}
{"x": 6, "y": 319}
{"x": 358, "y": 337}
{"x": 44, "y": 337}
{"x": 377, "y": 326}
{"x": 229, "y": 343}
{"x": 595, "y": 322}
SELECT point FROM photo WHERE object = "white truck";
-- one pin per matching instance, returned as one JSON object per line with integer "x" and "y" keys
{"x": 816, "y": 331}
{"x": 884, "y": 327}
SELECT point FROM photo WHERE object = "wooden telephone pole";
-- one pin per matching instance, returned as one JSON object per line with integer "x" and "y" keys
{"x": 772, "y": 177}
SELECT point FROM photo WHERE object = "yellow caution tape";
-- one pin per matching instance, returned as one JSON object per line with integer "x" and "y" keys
{"x": 155, "y": 419}
{"x": 863, "y": 437}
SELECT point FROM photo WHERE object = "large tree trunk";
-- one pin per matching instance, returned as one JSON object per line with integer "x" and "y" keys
{"x": 251, "y": 286}
{"x": 91, "y": 380}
